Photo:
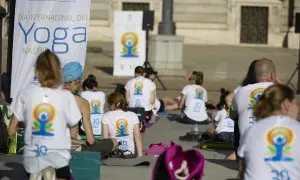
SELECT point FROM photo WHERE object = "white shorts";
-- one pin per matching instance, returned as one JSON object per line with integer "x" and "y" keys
{"x": 35, "y": 165}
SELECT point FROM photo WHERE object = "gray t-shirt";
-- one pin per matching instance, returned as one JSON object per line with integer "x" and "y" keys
{"x": 271, "y": 149}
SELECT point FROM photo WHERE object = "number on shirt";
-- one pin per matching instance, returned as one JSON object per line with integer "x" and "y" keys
{"x": 251, "y": 120}
{"x": 138, "y": 103}
{"x": 280, "y": 175}
{"x": 95, "y": 122}
{"x": 197, "y": 107}
{"x": 40, "y": 150}
{"x": 123, "y": 145}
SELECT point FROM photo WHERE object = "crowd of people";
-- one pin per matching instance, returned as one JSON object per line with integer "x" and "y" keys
{"x": 259, "y": 117}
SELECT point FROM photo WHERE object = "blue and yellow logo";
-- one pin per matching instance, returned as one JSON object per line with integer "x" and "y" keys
{"x": 129, "y": 42}
{"x": 138, "y": 88}
{"x": 43, "y": 117}
{"x": 95, "y": 107}
{"x": 279, "y": 141}
{"x": 198, "y": 93}
{"x": 122, "y": 128}
{"x": 255, "y": 96}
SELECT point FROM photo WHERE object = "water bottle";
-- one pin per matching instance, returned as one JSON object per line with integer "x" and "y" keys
{"x": 196, "y": 129}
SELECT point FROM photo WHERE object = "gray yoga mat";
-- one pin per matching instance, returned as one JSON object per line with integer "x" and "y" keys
{"x": 139, "y": 161}
{"x": 11, "y": 167}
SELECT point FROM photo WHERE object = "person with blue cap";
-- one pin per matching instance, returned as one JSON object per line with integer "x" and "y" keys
{"x": 72, "y": 76}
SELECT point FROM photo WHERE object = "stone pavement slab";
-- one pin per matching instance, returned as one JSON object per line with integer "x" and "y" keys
{"x": 165, "y": 130}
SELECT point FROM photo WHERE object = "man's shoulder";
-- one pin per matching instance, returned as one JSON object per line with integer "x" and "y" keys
{"x": 252, "y": 87}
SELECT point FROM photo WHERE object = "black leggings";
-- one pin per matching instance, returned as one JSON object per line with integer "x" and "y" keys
{"x": 104, "y": 146}
{"x": 187, "y": 120}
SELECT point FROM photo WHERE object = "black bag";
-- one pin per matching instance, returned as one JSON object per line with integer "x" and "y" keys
{"x": 3, "y": 134}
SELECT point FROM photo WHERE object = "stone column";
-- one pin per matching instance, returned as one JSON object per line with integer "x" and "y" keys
{"x": 167, "y": 26}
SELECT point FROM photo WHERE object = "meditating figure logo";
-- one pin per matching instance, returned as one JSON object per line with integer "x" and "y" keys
{"x": 138, "y": 88}
{"x": 43, "y": 117}
{"x": 95, "y": 107}
{"x": 279, "y": 140}
{"x": 255, "y": 96}
{"x": 198, "y": 93}
{"x": 122, "y": 128}
{"x": 129, "y": 42}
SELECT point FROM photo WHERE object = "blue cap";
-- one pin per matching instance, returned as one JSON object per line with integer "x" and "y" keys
{"x": 72, "y": 71}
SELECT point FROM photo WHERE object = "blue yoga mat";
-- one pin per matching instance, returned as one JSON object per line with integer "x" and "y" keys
{"x": 86, "y": 165}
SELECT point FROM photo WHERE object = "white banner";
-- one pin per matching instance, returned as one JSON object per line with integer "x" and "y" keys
{"x": 129, "y": 42}
{"x": 59, "y": 25}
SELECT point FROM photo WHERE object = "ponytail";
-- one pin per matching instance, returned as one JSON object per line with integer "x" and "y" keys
{"x": 117, "y": 99}
{"x": 222, "y": 102}
{"x": 199, "y": 78}
{"x": 48, "y": 69}
{"x": 271, "y": 100}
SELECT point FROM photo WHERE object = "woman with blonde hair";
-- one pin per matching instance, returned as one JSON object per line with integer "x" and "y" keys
{"x": 270, "y": 149}
{"x": 48, "y": 112}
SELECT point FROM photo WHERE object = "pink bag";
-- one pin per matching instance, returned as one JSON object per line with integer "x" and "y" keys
{"x": 155, "y": 150}
{"x": 176, "y": 164}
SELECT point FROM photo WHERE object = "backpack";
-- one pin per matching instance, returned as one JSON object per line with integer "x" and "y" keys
{"x": 155, "y": 150}
{"x": 174, "y": 164}
{"x": 3, "y": 134}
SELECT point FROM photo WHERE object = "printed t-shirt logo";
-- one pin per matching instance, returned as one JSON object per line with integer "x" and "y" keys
{"x": 43, "y": 117}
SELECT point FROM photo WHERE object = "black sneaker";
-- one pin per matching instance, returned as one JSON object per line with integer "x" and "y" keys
{"x": 190, "y": 137}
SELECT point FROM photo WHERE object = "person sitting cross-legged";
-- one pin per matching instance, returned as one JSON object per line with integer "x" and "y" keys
{"x": 223, "y": 130}
{"x": 122, "y": 126}
{"x": 96, "y": 101}
{"x": 270, "y": 149}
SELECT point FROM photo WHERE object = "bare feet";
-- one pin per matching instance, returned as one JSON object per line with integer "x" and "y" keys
{"x": 153, "y": 119}
{"x": 231, "y": 156}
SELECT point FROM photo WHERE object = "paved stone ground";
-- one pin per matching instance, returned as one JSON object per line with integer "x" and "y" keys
{"x": 223, "y": 66}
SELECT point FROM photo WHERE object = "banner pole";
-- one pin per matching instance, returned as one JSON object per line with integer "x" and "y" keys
{"x": 11, "y": 23}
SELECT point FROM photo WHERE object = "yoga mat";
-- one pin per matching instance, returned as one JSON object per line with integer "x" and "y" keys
{"x": 139, "y": 161}
{"x": 215, "y": 145}
{"x": 11, "y": 167}
{"x": 85, "y": 165}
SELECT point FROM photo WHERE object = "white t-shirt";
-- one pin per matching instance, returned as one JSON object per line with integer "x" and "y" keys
{"x": 243, "y": 102}
{"x": 156, "y": 106}
{"x": 121, "y": 127}
{"x": 271, "y": 149}
{"x": 225, "y": 124}
{"x": 97, "y": 102}
{"x": 47, "y": 114}
{"x": 196, "y": 96}
{"x": 140, "y": 89}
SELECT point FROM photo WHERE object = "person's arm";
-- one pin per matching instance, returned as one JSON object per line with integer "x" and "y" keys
{"x": 127, "y": 92}
{"x": 138, "y": 140}
{"x": 104, "y": 127}
{"x": 153, "y": 97}
{"x": 127, "y": 96}
{"x": 13, "y": 126}
{"x": 233, "y": 113}
{"x": 16, "y": 107}
{"x": 241, "y": 169}
{"x": 87, "y": 125}
{"x": 182, "y": 101}
{"x": 153, "y": 93}
{"x": 184, "y": 92}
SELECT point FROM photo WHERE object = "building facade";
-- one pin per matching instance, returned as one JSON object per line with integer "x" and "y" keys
{"x": 232, "y": 22}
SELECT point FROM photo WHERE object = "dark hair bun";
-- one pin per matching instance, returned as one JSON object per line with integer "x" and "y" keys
{"x": 223, "y": 91}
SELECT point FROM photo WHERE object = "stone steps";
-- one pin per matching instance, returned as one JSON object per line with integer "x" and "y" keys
{"x": 100, "y": 9}
{"x": 200, "y": 2}
{"x": 200, "y": 11}
{"x": 207, "y": 8}
{"x": 201, "y": 17}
